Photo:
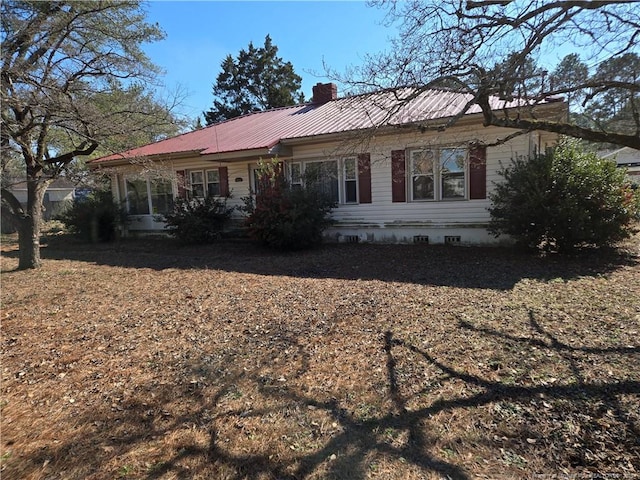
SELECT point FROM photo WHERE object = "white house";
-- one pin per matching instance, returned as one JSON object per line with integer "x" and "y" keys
{"x": 395, "y": 172}
{"x": 60, "y": 193}
{"x": 626, "y": 157}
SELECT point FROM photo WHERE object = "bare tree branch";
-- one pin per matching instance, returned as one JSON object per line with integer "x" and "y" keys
{"x": 491, "y": 48}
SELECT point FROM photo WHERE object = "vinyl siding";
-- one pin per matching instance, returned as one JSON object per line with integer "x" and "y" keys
{"x": 382, "y": 213}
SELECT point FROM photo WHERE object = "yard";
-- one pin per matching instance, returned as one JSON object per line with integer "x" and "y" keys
{"x": 145, "y": 360}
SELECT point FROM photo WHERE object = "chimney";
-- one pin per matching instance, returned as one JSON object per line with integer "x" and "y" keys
{"x": 324, "y": 92}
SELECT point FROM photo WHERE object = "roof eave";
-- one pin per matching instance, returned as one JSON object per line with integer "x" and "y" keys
{"x": 128, "y": 159}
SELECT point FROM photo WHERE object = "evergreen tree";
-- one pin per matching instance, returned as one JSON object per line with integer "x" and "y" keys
{"x": 616, "y": 107}
{"x": 256, "y": 80}
{"x": 568, "y": 74}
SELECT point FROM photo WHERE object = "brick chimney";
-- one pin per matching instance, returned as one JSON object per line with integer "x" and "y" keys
{"x": 324, "y": 92}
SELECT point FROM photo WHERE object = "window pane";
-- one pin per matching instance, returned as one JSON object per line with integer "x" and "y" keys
{"x": 213, "y": 183}
{"x": 350, "y": 181}
{"x": 213, "y": 189}
{"x": 161, "y": 196}
{"x": 137, "y": 197}
{"x": 296, "y": 176}
{"x": 423, "y": 187}
{"x": 196, "y": 177}
{"x": 452, "y": 161}
{"x": 350, "y": 191}
{"x": 422, "y": 162}
{"x": 350, "y": 168}
{"x": 197, "y": 184}
{"x": 213, "y": 176}
{"x": 323, "y": 175}
{"x": 453, "y": 186}
{"x": 197, "y": 190}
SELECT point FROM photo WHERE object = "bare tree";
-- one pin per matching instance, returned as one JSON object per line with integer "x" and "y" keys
{"x": 490, "y": 49}
{"x": 70, "y": 72}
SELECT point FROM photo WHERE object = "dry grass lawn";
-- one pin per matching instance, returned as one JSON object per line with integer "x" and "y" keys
{"x": 151, "y": 361}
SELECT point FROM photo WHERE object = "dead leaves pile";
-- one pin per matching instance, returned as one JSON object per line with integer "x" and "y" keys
{"x": 145, "y": 360}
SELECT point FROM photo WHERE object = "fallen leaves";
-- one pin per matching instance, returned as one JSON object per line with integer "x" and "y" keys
{"x": 357, "y": 360}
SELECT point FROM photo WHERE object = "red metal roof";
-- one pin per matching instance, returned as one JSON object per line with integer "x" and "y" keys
{"x": 264, "y": 130}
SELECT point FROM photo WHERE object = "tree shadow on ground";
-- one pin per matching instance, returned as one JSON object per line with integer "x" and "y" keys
{"x": 573, "y": 424}
{"x": 464, "y": 267}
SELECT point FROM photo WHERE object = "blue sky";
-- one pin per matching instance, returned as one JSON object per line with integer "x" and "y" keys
{"x": 201, "y": 33}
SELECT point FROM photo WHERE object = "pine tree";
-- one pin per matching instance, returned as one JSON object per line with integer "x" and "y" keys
{"x": 256, "y": 80}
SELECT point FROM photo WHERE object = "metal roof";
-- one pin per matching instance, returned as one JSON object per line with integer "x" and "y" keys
{"x": 264, "y": 130}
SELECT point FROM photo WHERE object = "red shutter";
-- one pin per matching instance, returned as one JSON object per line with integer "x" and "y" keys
{"x": 223, "y": 173}
{"x": 364, "y": 178}
{"x": 398, "y": 177}
{"x": 478, "y": 172}
{"x": 182, "y": 183}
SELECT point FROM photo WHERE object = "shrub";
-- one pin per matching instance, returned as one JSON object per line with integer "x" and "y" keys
{"x": 283, "y": 217}
{"x": 95, "y": 218}
{"x": 198, "y": 221}
{"x": 564, "y": 199}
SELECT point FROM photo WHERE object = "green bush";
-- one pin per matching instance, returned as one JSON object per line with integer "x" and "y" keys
{"x": 198, "y": 221}
{"x": 564, "y": 199}
{"x": 95, "y": 218}
{"x": 283, "y": 217}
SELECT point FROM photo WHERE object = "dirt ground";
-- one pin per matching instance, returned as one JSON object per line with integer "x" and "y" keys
{"x": 142, "y": 359}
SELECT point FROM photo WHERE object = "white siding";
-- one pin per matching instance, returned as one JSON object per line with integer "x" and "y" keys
{"x": 382, "y": 220}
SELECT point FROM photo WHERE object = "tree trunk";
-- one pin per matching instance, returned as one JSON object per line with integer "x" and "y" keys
{"x": 29, "y": 226}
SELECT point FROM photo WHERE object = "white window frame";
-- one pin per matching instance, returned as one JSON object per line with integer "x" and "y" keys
{"x": 437, "y": 175}
{"x": 305, "y": 166}
{"x": 153, "y": 207}
{"x": 128, "y": 180}
{"x": 341, "y": 176}
{"x": 207, "y": 182}
{"x": 149, "y": 194}
{"x": 355, "y": 180}
{"x": 192, "y": 183}
{"x": 295, "y": 180}
{"x": 464, "y": 171}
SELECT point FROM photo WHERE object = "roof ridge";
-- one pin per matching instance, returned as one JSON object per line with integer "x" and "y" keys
{"x": 257, "y": 112}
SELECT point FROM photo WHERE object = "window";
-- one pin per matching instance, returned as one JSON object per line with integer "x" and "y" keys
{"x": 422, "y": 174}
{"x": 438, "y": 174}
{"x": 350, "y": 176}
{"x": 197, "y": 184}
{"x": 346, "y": 181}
{"x": 161, "y": 196}
{"x": 137, "y": 196}
{"x": 148, "y": 196}
{"x": 452, "y": 168}
{"x": 323, "y": 175}
{"x": 295, "y": 175}
{"x": 213, "y": 183}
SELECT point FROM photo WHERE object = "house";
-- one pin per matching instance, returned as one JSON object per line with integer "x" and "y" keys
{"x": 626, "y": 157}
{"x": 60, "y": 193}
{"x": 395, "y": 172}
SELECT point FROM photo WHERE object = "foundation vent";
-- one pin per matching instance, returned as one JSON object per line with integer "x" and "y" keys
{"x": 421, "y": 239}
{"x": 452, "y": 239}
